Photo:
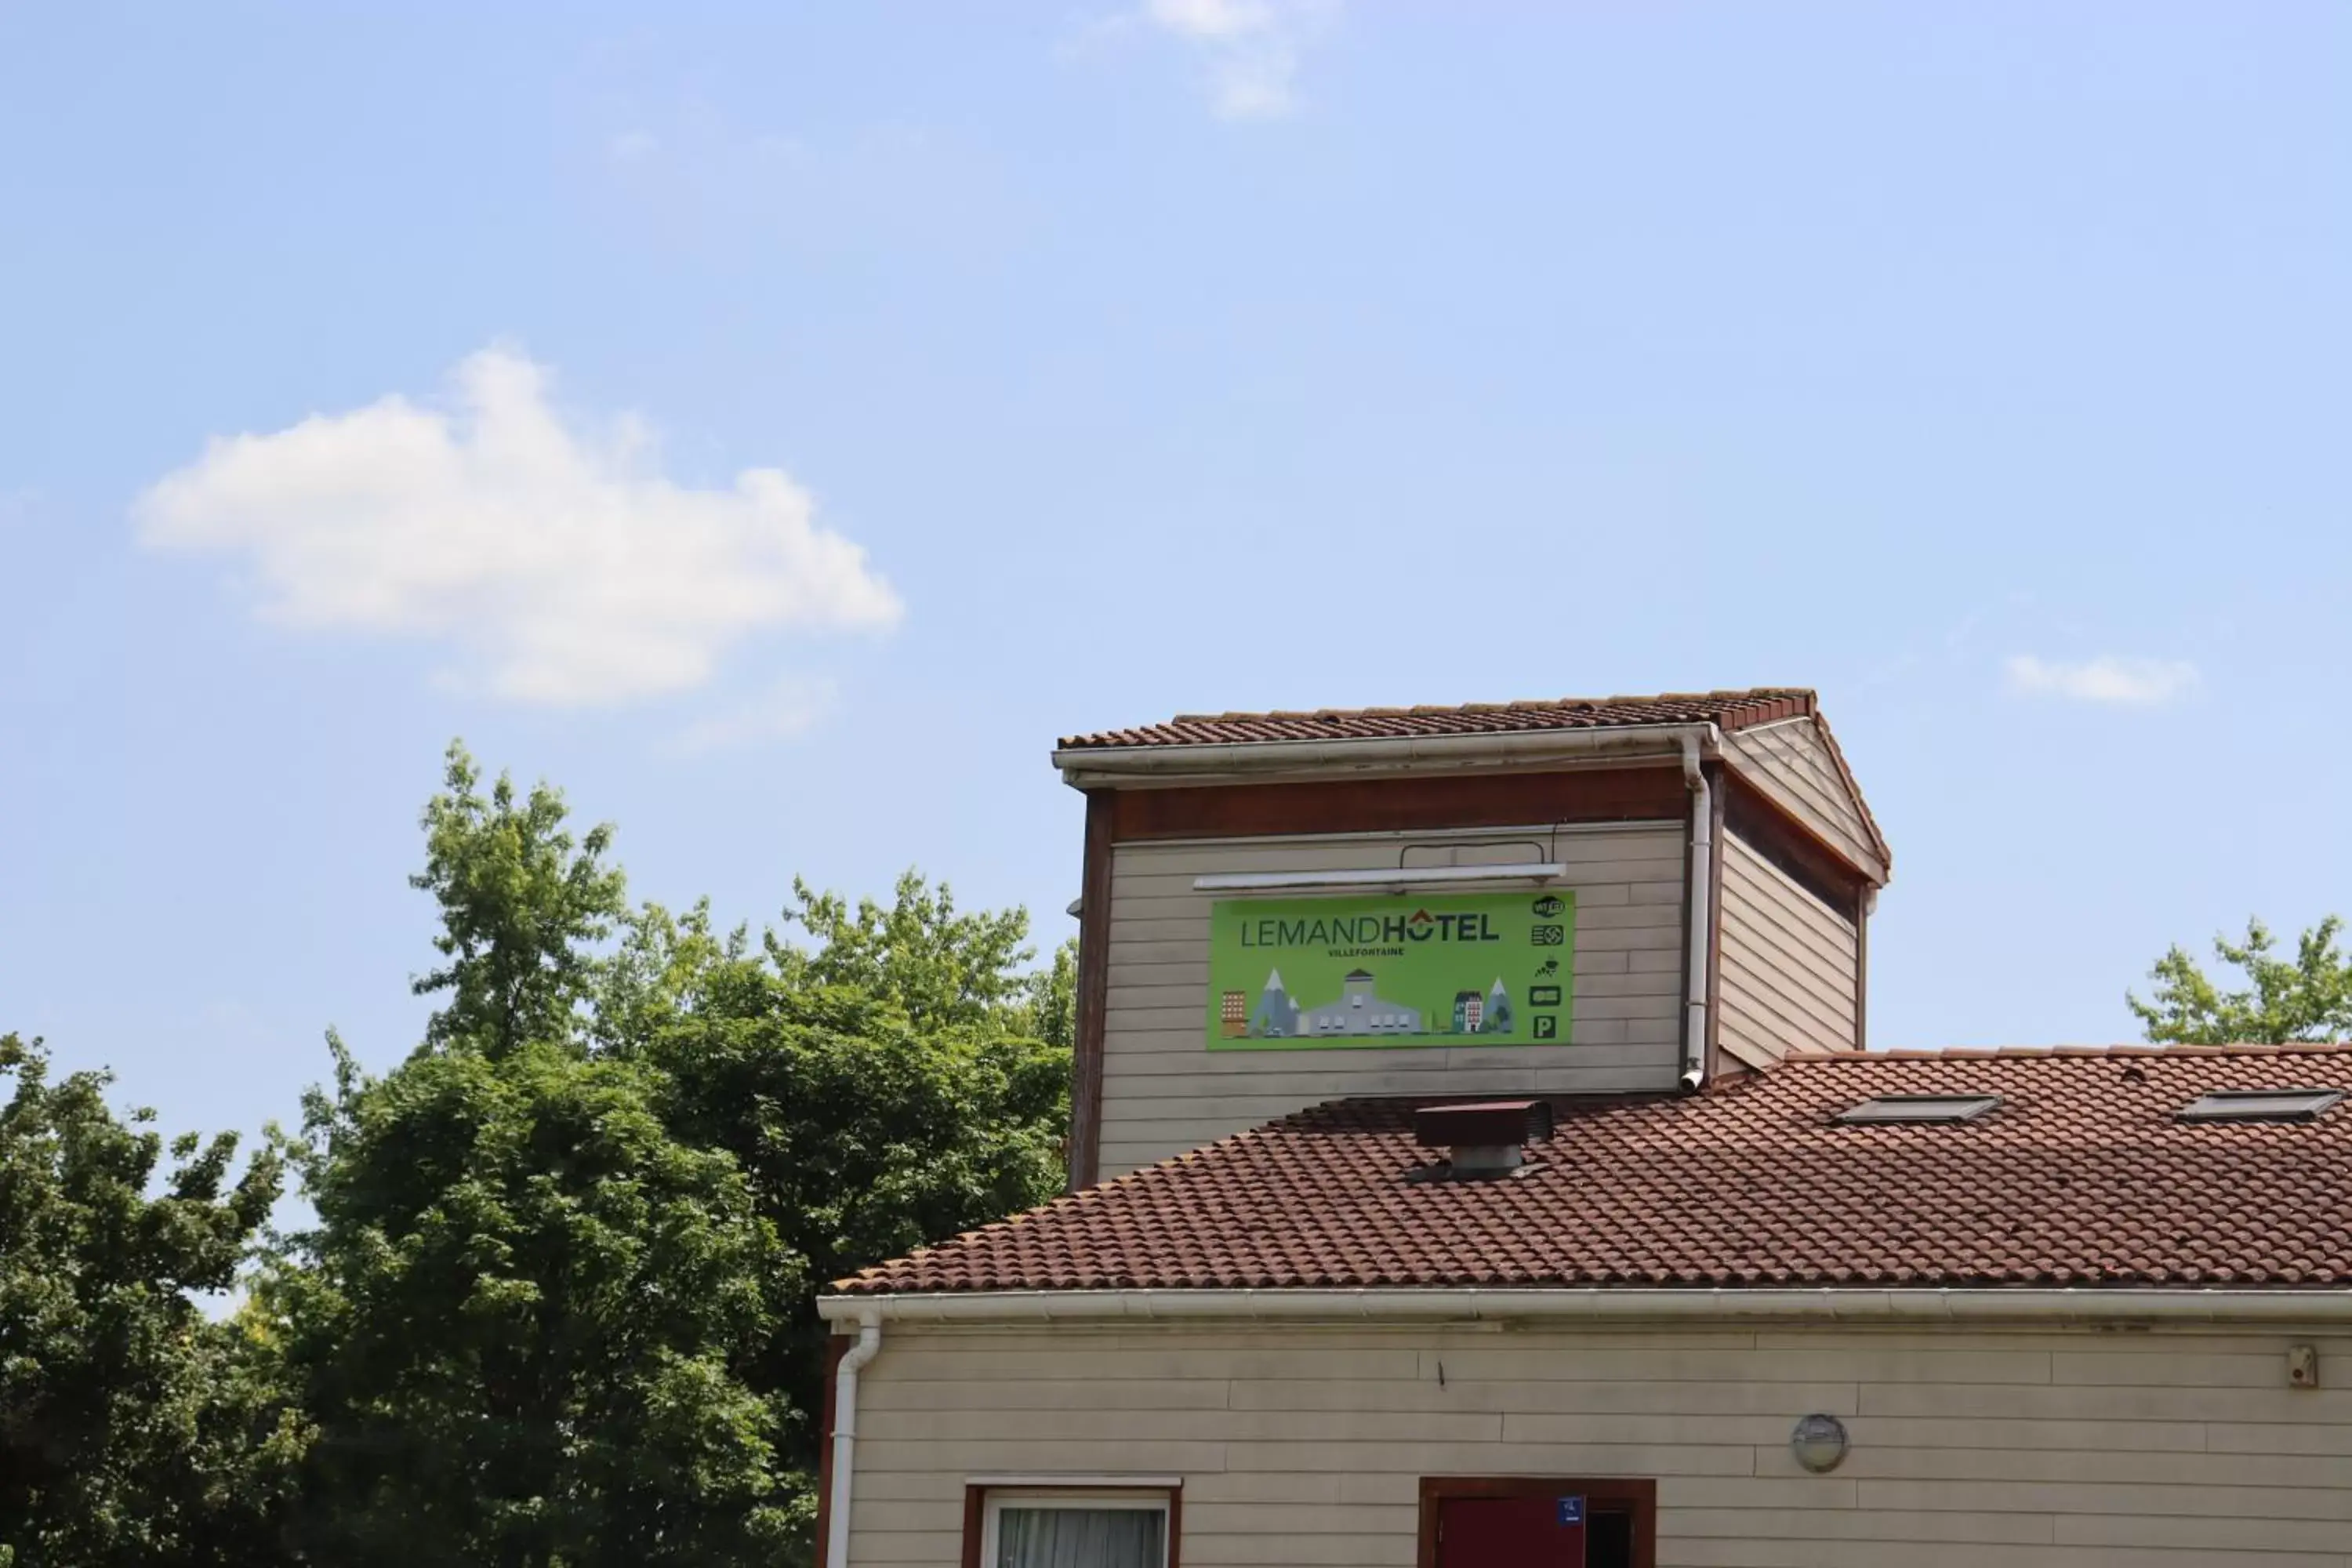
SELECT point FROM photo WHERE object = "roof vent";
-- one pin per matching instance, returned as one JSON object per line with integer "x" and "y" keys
{"x": 1483, "y": 1140}
{"x": 1931, "y": 1108}
{"x": 2260, "y": 1105}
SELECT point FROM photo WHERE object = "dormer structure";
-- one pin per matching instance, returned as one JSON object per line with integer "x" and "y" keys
{"x": 1611, "y": 896}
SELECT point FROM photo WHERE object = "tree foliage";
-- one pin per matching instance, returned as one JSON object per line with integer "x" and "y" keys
{"x": 522, "y": 909}
{"x": 2306, "y": 997}
{"x": 133, "y": 1431}
{"x": 556, "y": 1310}
{"x": 942, "y": 968}
{"x": 1052, "y": 1004}
{"x": 659, "y": 974}
{"x": 521, "y": 1320}
{"x": 863, "y": 1136}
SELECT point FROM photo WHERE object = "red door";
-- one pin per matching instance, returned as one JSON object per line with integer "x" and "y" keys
{"x": 1532, "y": 1532}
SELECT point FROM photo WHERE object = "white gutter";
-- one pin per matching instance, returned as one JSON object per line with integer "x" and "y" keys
{"x": 1085, "y": 766}
{"x": 1596, "y": 1305}
{"x": 869, "y": 1318}
{"x": 1702, "y": 886}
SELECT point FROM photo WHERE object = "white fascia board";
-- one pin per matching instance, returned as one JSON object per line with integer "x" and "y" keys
{"x": 1474, "y": 1305}
{"x": 1107, "y": 1481}
{"x": 1085, "y": 767}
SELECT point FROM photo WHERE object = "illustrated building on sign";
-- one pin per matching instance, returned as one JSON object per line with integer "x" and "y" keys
{"x": 1233, "y": 1016}
{"x": 1275, "y": 1017}
{"x": 1467, "y": 1008}
{"x": 1359, "y": 1010}
{"x": 1497, "y": 1020}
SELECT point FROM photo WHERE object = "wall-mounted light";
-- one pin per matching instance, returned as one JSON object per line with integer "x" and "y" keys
{"x": 1400, "y": 879}
{"x": 1819, "y": 1443}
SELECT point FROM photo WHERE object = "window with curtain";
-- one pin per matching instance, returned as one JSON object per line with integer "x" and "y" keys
{"x": 1077, "y": 1532}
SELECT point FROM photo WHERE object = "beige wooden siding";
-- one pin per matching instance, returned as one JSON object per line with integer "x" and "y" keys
{"x": 1791, "y": 763}
{"x": 1306, "y": 1446}
{"x": 1165, "y": 1092}
{"x": 1788, "y": 964}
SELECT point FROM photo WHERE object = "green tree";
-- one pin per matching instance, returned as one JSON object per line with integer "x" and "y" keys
{"x": 521, "y": 1322}
{"x": 659, "y": 974}
{"x": 2306, "y": 997}
{"x": 1050, "y": 1010}
{"x": 133, "y": 1431}
{"x": 944, "y": 969}
{"x": 863, "y": 1136}
{"x": 558, "y": 1306}
{"x": 523, "y": 908}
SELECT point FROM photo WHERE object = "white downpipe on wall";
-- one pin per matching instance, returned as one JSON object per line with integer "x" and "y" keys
{"x": 845, "y": 1428}
{"x": 1702, "y": 925}
{"x": 1604, "y": 1305}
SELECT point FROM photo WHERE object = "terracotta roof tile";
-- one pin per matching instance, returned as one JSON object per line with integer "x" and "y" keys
{"x": 1728, "y": 709}
{"x": 2081, "y": 1177}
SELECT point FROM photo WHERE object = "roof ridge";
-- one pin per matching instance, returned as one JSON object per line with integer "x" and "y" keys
{"x": 1728, "y": 694}
{"x": 1811, "y": 1057}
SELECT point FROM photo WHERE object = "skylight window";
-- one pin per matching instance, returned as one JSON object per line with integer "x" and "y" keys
{"x": 2261, "y": 1105}
{"x": 1928, "y": 1109}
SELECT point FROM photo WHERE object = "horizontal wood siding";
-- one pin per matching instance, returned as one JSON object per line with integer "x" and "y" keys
{"x": 1165, "y": 1092}
{"x": 1305, "y": 1445}
{"x": 1792, "y": 765}
{"x": 1789, "y": 963}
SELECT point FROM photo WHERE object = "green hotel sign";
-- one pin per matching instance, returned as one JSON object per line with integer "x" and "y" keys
{"x": 1457, "y": 969}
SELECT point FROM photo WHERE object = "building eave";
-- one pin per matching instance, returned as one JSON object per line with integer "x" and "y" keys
{"x": 1605, "y": 1304}
{"x": 1099, "y": 767}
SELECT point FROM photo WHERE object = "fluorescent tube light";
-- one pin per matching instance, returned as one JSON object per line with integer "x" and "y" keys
{"x": 1401, "y": 876}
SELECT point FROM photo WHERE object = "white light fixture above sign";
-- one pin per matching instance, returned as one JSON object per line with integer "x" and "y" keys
{"x": 1401, "y": 876}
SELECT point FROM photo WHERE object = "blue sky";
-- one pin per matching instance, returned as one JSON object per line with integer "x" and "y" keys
{"x": 777, "y": 424}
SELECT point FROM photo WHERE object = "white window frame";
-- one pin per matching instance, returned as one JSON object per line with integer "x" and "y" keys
{"x": 1157, "y": 1499}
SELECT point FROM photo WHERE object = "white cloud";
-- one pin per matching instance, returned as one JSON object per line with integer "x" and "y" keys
{"x": 791, "y": 707}
{"x": 2130, "y": 682}
{"x": 1250, "y": 49}
{"x": 552, "y": 561}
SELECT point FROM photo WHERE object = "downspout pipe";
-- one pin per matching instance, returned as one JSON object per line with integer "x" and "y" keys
{"x": 1701, "y": 902}
{"x": 844, "y": 1434}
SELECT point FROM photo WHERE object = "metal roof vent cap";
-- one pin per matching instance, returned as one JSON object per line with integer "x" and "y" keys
{"x": 1487, "y": 1139}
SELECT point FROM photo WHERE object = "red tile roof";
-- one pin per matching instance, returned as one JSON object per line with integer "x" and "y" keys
{"x": 1728, "y": 710}
{"x": 2081, "y": 1177}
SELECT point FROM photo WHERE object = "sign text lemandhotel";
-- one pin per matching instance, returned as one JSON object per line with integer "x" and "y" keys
{"x": 1486, "y": 969}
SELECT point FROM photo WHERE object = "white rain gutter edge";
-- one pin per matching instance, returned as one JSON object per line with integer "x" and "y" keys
{"x": 1598, "y": 1305}
{"x": 1085, "y": 765}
